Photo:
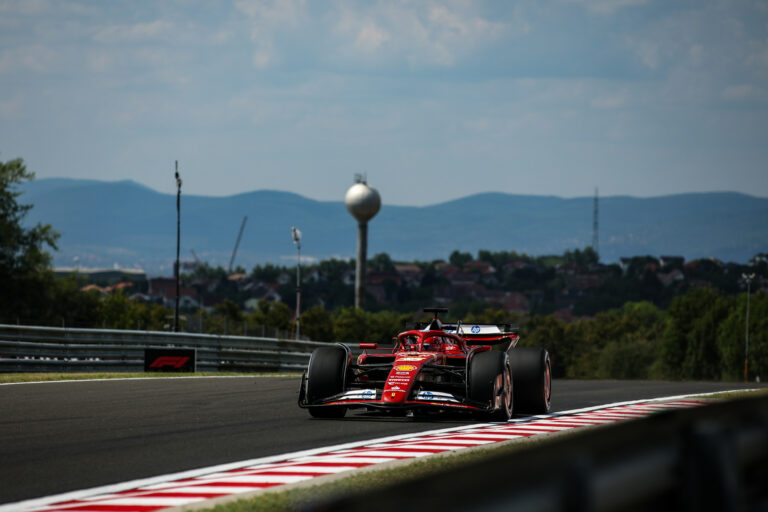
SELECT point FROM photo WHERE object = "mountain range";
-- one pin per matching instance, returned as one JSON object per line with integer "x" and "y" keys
{"x": 103, "y": 224}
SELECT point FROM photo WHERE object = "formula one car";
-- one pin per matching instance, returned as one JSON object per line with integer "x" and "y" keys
{"x": 432, "y": 367}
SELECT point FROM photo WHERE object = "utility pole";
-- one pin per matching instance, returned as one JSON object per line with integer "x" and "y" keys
{"x": 748, "y": 279}
{"x": 178, "y": 245}
{"x": 296, "y": 234}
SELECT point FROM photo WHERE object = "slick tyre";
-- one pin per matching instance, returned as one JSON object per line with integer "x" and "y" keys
{"x": 490, "y": 382}
{"x": 325, "y": 378}
{"x": 532, "y": 379}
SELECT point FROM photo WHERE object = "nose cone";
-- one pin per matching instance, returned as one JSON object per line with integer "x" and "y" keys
{"x": 363, "y": 202}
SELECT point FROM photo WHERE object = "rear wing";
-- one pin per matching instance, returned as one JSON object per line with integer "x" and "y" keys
{"x": 485, "y": 334}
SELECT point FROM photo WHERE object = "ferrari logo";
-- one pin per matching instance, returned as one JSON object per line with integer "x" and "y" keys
{"x": 393, "y": 395}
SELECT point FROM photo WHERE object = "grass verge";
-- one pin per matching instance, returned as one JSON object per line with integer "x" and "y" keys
{"x": 301, "y": 496}
{"x": 11, "y": 378}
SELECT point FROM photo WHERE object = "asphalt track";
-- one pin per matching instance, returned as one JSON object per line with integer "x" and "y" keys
{"x": 65, "y": 436}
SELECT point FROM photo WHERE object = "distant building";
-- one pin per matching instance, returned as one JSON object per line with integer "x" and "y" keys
{"x": 411, "y": 274}
{"x": 165, "y": 288}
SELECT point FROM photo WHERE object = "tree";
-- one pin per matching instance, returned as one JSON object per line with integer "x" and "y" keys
{"x": 317, "y": 324}
{"x": 381, "y": 263}
{"x": 25, "y": 273}
{"x": 459, "y": 258}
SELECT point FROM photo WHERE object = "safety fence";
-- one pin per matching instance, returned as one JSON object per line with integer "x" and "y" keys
{"x": 44, "y": 349}
{"x": 713, "y": 457}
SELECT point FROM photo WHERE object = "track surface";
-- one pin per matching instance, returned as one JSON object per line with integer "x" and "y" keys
{"x": 59, "y": 437}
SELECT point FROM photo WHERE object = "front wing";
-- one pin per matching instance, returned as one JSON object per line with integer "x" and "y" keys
{"x": 371, "y": 398}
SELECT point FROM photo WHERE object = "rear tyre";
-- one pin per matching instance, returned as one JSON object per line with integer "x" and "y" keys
{"x": 532, "y": 379}
{"x": 325, "y": 378}
{"x": 490, "y": 382}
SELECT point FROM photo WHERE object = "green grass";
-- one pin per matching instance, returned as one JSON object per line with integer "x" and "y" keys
{"x": 735, "y": 395}
{"x": 7, "y": 378}
{"x": 301, "y": 496}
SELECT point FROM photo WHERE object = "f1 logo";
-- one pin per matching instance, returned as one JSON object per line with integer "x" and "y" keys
{"x": 172, "y": 361}
{"x": 169, "y": 360}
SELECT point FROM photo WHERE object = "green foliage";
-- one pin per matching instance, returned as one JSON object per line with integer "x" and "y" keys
{"x": 586, "y": 257}
{"x": 681, "y": 349}
{"x": 731, "y": 337}
{"x": 276, "y": 315}
{"x": 119, "y": 312}
{"x": 355, "y": 325}
{"x": 381, "y": 263}
{"x": 25, "y": 277}
{"x": 459, "y": 258}
{"x": 317, "y": 324}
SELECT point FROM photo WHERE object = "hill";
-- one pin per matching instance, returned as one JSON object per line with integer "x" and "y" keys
{"x": 125, "y": 223}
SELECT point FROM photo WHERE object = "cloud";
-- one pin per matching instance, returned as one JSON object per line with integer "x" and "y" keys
{"x": 37, "y": 58}
{"x": 139, "y": 32}
{"x": 609, "y": 101}
{"x": 266, "y": 18}
{"x": 12, "y": 106}
{"x": 423, "y": 33}
{"x": 607, "y": 7}
{"x": 745, "y": 92}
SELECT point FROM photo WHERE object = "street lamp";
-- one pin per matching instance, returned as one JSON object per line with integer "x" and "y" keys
{"x": 296, "y": 235}
{"x": 748, "y": 279}
{"x": 178, "y": 243}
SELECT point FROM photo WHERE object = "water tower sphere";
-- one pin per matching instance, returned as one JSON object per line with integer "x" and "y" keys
{"x": 363, "y": 202}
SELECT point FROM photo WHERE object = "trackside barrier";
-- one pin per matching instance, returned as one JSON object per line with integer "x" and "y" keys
{"x": 713, "y": 457}
{"x": 44, "y": 349}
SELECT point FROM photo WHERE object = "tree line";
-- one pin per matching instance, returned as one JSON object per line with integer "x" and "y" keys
{"x": 698, "y": 333}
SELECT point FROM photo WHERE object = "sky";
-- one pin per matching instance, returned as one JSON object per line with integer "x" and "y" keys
{"x": 432, "y": 100}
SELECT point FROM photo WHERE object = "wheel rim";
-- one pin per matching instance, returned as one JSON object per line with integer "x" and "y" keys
{"x": 503, "y": 393}
{"x": 508, "y": 392}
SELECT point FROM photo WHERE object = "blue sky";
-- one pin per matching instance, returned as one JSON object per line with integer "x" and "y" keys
{"x": 433, "y": 100}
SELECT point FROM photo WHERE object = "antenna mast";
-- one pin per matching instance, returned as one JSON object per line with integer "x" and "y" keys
{"x": 595, "y": 236}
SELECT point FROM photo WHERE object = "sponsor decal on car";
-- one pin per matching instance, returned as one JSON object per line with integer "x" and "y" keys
{"x": 475, "y": 329}
{"x": 405, "y": 368}
{"x": 369, "y": 394}
{"x": 436, "y": 396}
{"x": 413, "y": 358}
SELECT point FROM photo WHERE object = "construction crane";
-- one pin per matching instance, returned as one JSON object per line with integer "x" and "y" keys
{"x": 237, "y": 243}
{"x": 197, "y": 260}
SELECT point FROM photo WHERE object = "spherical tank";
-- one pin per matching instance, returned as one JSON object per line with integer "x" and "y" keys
{"x": 363, "y": 202}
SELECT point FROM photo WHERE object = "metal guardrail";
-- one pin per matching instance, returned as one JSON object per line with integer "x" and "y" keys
{"x": 42, "y": 349}
{"x": 710, "y": 458}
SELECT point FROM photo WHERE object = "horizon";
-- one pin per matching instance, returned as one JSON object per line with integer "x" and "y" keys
{"x": 384, "y": 202}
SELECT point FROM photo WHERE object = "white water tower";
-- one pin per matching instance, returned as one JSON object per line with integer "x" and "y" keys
{"x": 363, "y": 202}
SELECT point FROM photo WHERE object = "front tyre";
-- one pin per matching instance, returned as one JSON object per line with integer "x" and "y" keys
{"x": 490, "y": 381}
{"x": 325, "y": 378}
{"x": 532, "y": 377}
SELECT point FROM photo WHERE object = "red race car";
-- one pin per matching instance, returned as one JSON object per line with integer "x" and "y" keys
{"x": 431, "y": 367}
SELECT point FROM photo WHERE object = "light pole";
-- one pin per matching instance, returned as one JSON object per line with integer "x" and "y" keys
{"x": 296, "y": 234}
{"x": 178, "y": 244}
{"x": 748, "y": 279}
